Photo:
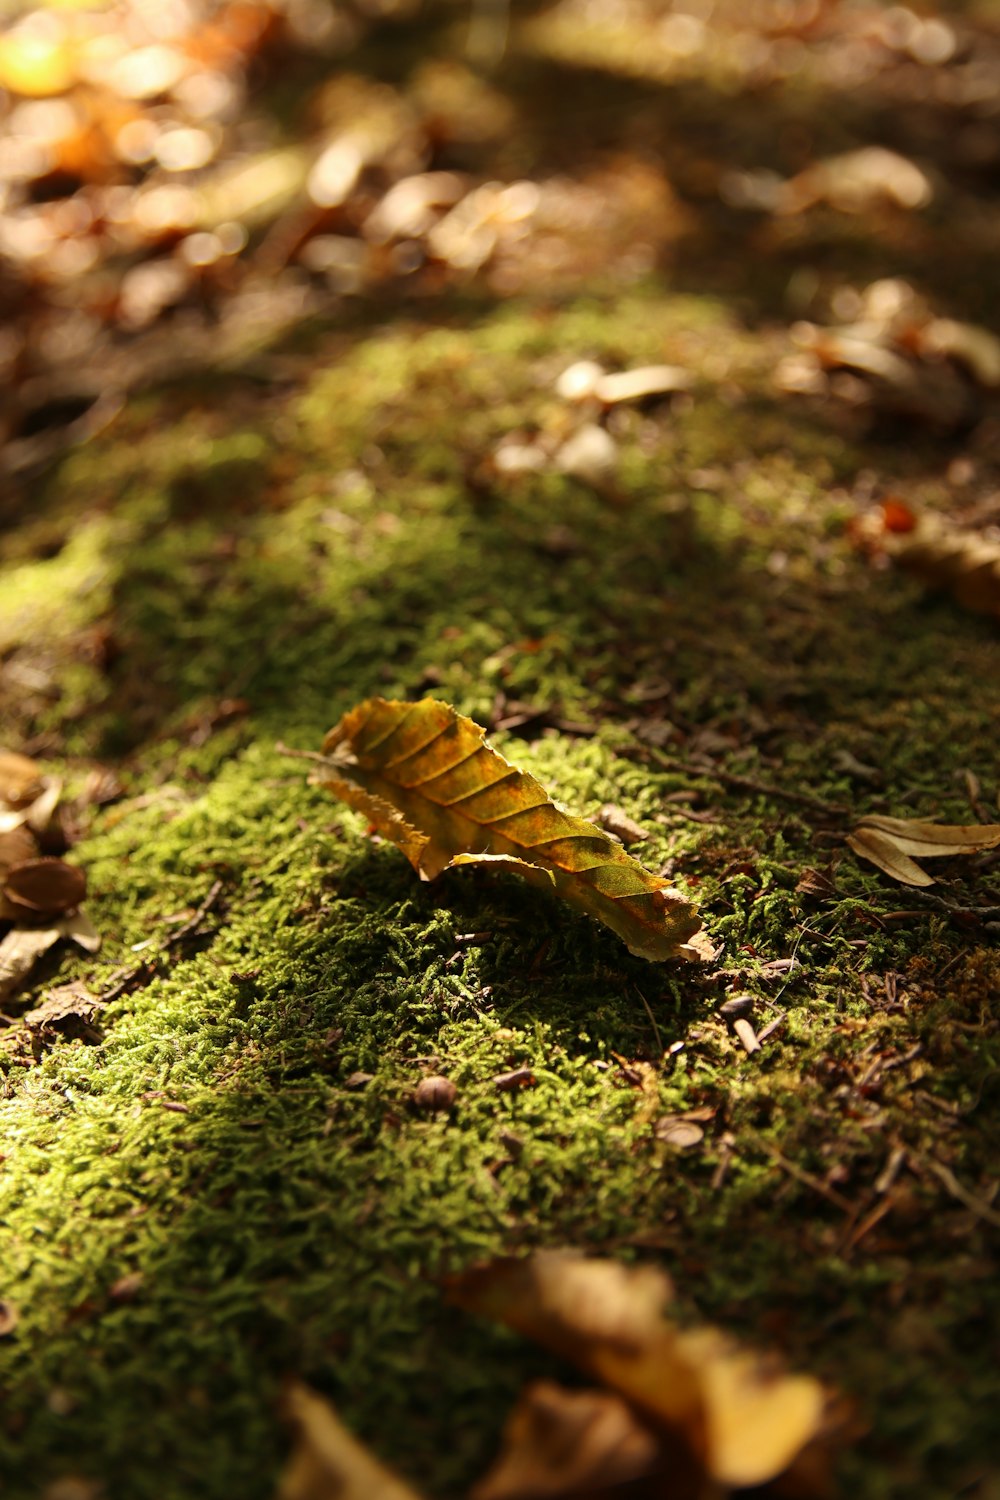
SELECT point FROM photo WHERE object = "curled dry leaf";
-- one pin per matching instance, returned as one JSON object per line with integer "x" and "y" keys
{"x": 327, "y": 1463}
{"x": 426, "y": 779}
{"x": 743, "y": 1421}
{"x": 892, "y": 843}
{"x": 572, "y": 1445}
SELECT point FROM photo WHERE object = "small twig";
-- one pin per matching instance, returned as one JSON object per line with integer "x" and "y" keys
{"x": 772, "y": 1026}
{"x": 313, "y": 755}
{"x": 145, "y": 972}
{"x": 952, "y": 1185}
{"x": 652, "y": 1021}
{"x": 806, "y": 1178}
{"x": 856, "y": 1234}
{"x": 195, "y": 919}
{"x": 749, "y": 784}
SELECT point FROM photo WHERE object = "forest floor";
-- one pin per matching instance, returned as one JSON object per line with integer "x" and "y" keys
{"x": 225, "y": 1182}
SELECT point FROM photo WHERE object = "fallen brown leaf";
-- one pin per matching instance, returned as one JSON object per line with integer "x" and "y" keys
{"x": 327, "y": 1463}
{"x": 741, "y": 1419}
{"x": 21, "y": 948}
{"x": 891, "y": 843}
{"x": 426, "y": 779}
{"x": 20, "y": 779}
{"x": 44, "y": 887}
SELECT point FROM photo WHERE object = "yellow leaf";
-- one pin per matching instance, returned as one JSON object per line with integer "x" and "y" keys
{"x": 427, "y": 780}
{"x": 740, "y": 1419}
{"x": 327, "y": 1463}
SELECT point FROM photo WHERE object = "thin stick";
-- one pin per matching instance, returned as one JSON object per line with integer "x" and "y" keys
{"x": 652, "y": 1020}
{"x": 806, "y": 1178}
{"x": 749, "y": 784}
{"x": 951, "y": 1183}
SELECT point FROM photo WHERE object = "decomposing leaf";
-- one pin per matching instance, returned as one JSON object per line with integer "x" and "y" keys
{"x": 937, "y": 552}
{"x": 426, "y": 779}
{"x": 892, "y": 843}
{"x": 742, "y": 1420}
{"x": 328, "y": 1463}
{"x": 44, "y": 887}
{"x": 69, "y": 1009}
{"x": 560, "y": 1444}
{"x": 23, "y": 946}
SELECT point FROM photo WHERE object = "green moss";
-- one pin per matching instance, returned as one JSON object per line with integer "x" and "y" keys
{"x": 284, "y": 1221}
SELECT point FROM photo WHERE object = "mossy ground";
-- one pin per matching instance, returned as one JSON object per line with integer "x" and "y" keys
{"x": 199, "y": 1206}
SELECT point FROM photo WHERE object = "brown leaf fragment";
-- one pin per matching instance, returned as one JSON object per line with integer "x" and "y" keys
{"x": 739, "y": 1417}
{"x": 70, "y": 1010}
{"x": 617, "y": 821}
{"x": 8, "y": 1317}
{"x": 814, "y": 882}
{"x": 894, "y": 844}
{"x": 571, "y": 1445}
{"x": 45, "y": 886}
{"x": 20, "y": 779}
{"x": 21, "y": 948}
{"x": 426, "y": 778}
{"x": 327, "y": 1463}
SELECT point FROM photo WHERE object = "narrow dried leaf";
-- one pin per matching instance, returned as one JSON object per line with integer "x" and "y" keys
{"x": 426, "y": 778}
{"x": 743, "y": 1421}
{"x": 641, "y": 384}
{"x": 890, "y": 844}
{"x": 561, "y": 1445}
{"x": 328, "y": 1463}
{"x": 882, "y": 851}
{"x": 914, "y": 836}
